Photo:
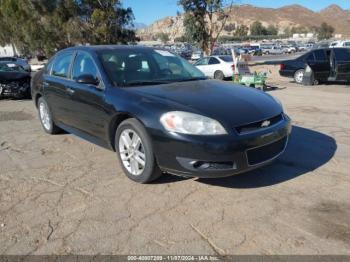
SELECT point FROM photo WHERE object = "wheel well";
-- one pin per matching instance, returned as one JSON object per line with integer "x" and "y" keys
{"x": 37, "y": 96}
{"x": 116, "y": 121}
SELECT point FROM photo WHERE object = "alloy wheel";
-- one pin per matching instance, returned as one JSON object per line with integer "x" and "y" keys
{"x": 132, "y": 152}
{"x": 299, "y": 77}
{"x": 45, "y": 116}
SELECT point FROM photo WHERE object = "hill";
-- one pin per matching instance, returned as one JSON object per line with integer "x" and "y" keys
{"x": 284, "y": 18}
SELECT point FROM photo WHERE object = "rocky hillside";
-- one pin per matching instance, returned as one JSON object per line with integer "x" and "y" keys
{"x": 283, "y": 18}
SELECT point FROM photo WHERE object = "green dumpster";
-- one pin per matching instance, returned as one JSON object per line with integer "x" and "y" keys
{"x": 256, "y": 80}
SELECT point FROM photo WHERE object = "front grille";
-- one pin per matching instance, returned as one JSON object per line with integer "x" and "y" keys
{"x": 259, "y": 125}
{"x": 264, "y": 153}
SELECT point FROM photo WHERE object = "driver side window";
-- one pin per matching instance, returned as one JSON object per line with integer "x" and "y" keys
{"x": 203, "y": 61}
{"x": 84, "y": 65}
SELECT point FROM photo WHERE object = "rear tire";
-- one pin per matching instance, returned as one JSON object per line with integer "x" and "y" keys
{"x": 298, "y": 76}
{"x": 45, "y": 117}
{"x": 219, "y": 75}
{"x": 135, "y": 152}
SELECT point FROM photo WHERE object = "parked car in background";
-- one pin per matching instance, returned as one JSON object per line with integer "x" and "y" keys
{"x": 288, "y": 49}
{"x": 306, "y": 47}
{"x": 196, "y": 55}
{"x": 255, "y": 50}
{"x": 217, "y": 67}
{"x": 18, "y": 61}
{"x": 14, "y": 81}
{"x": 221, "y": 51}
{"x": 345, "y": 43}
{"x": 159, "y": 112}
{"x": 185, "y": 53}
{"x": 272, "y": 50}
{"x": 328, "y": 64}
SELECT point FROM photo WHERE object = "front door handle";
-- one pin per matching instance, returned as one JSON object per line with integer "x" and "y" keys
{"x": 70, "y": 90}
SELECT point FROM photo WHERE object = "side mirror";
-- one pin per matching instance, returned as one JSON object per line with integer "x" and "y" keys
{"x": 87, "y": 79}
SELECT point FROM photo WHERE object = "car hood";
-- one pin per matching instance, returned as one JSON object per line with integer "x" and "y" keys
{"x": 226, "y": 102}
{"x": 11, "y": 76}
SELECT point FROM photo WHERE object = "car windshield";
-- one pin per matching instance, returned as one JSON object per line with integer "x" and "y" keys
{"x": 11, "y": 68}
{"x": 146, "y": 66}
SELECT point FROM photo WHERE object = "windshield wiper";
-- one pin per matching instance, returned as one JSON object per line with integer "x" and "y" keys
{"x": 141, "y": 83}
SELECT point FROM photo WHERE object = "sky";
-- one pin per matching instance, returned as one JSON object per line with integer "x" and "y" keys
{"x": 148, "y": 11}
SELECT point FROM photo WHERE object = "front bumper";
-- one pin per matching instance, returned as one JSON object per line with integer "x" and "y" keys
{"x": 15, "y": 89}
{"x": 220, "y": 156}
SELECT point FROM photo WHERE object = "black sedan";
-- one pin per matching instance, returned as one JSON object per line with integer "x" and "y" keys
{"x": 158, "y": 112}
{"x": 14, "y": 81}
{"x": 327, "y": 64}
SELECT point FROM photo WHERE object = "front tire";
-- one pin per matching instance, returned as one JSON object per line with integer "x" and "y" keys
{"x": 135, "y": 152}
{"x": 45, "y": 117}
{"x": 298, "y": 76}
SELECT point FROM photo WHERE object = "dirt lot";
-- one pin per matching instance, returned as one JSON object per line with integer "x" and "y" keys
{"x": 62, "y": 195}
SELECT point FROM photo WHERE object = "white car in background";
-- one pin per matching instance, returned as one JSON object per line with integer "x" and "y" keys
{"x": 217, "y": 67}
{"x": 345, "y": 43}
{"x": 288, "y": 49}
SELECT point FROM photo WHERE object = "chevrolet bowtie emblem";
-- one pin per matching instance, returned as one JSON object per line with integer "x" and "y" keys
{"x": 265, "y": 123}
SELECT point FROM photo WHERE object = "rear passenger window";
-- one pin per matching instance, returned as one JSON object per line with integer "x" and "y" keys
{"x": 213, "y": 61}
{"x": 320, "y": 55}
{"x": 61, "y": 65}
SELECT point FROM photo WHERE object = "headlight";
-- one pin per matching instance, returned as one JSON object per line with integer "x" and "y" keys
{"x": 192, "y": 124}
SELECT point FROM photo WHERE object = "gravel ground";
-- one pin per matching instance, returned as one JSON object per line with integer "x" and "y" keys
{"x": 63, "y": 195}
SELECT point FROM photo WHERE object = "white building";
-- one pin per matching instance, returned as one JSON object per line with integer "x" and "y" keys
{"x": 8, "y": 50}
{"x": 307, "y": 36}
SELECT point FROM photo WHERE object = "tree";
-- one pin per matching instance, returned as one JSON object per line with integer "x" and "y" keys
{"x": 51, "y": 25}
{"x": 299, "y": 30}
{"x": 241, "y": 31}
{"x": 272, "y": 30}
{"x": 325, "y": 31}
{"x": 257, "y": 29}
{"x": 204, "y": 21}
{"x": 162, "y": 37}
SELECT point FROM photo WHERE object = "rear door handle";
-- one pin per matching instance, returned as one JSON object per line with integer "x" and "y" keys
{"x": 70, "y": 90}
{"x": 46, "y": 84}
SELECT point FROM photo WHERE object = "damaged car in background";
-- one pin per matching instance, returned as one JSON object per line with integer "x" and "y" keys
{"x": 14, "y": 81}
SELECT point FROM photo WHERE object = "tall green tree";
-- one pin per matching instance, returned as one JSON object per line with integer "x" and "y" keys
{"x": 50, "y": 25}
{"x": 272, "y": 30}
{"x": 204, "y": 21}
{"x": 325, "y": 31}
{"x": 241, "y": 31}
{"x": 257, "y": 28}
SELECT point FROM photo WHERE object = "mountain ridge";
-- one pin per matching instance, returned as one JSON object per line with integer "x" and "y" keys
{"x": 283, "y": 17}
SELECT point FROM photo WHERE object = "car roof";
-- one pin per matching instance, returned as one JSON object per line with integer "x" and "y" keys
{"x": 95, "y": 48}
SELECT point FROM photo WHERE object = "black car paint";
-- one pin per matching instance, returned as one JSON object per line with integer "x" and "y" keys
{"x": 15, "y": 84}
{"x": 93, "y": 112}
{"x": 324, "y": 70}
